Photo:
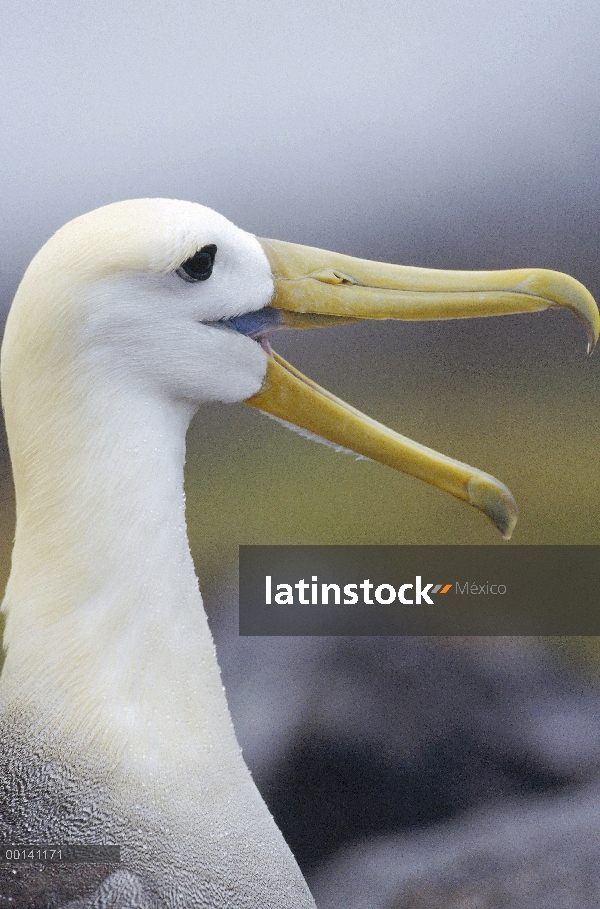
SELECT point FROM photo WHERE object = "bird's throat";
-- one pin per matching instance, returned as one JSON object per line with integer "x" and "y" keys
{"x": 103, "y": 602}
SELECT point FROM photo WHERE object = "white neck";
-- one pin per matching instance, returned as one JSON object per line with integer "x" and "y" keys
{"x": 106, "y": 635}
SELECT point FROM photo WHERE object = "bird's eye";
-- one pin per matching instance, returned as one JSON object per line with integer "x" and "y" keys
{"x": 199, "y": 266}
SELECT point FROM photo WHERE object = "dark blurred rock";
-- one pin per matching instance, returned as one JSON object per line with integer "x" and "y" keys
{"x": 542, "y": 855}
{"x": 356, "y": 737}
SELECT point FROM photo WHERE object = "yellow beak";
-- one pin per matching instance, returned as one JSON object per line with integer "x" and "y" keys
{"x": 314, "y": 288}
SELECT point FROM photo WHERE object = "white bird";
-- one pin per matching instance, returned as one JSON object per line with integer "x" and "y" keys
{"x": 113, "y": 720}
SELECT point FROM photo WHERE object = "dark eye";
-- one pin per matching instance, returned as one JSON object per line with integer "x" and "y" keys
{"x": 199, "y": 266}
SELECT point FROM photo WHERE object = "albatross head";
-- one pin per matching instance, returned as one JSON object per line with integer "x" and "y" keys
{"x": 172, "y": 297}
{"x": 143, "y": 289}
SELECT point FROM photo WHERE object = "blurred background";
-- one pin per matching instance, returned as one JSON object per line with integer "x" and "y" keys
{"x": 444, "y": 134}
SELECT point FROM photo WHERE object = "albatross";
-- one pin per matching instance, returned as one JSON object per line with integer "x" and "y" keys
{"x": 114, "y": 726}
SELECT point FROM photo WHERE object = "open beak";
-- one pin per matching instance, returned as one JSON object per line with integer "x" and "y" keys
{"x": 315, "y": 288}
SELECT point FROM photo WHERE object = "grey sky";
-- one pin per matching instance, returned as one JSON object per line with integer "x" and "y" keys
{"x": 324, "y": 122}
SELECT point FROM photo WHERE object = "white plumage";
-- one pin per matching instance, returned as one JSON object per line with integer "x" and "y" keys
{"x": 115, "y": 727}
